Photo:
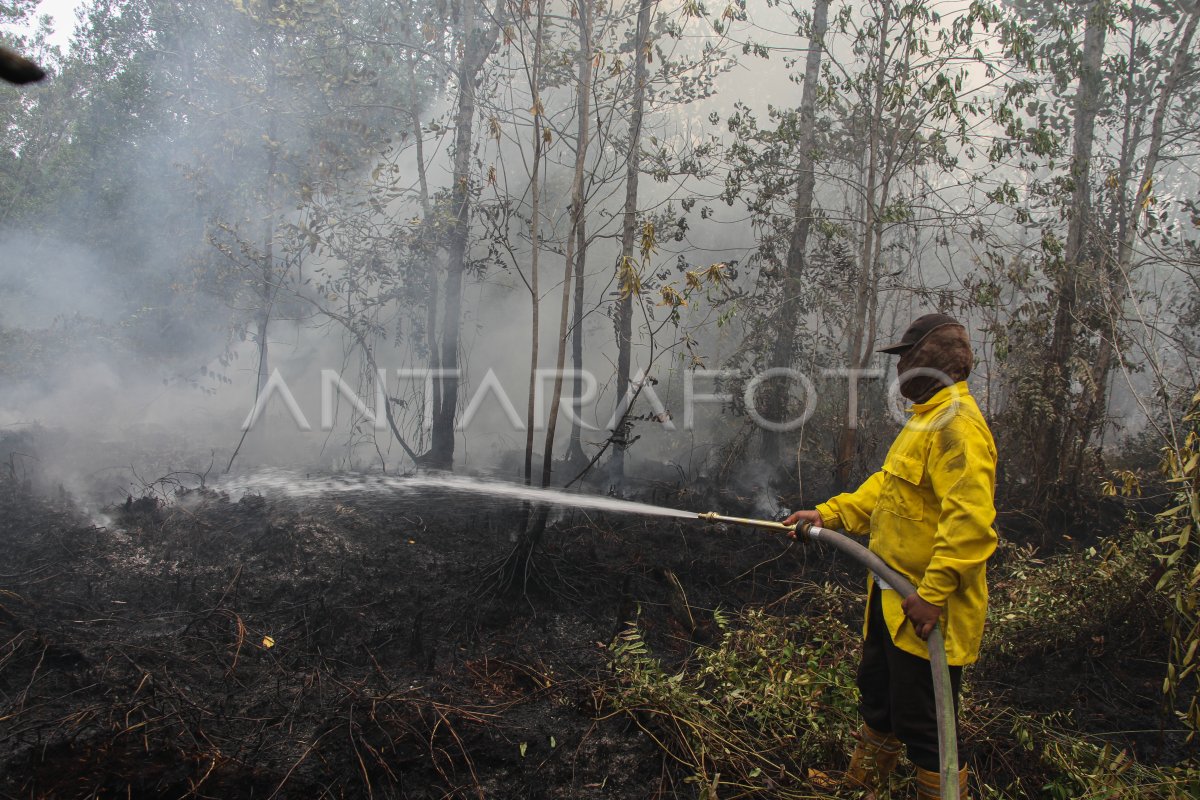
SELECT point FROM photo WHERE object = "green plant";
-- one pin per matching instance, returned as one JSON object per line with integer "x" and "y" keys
{"x": 752, "y": 714}
{"x": 1063, "y": 601}
{"x": 1180, "y": 581}
{"x": 1078, "y": 766}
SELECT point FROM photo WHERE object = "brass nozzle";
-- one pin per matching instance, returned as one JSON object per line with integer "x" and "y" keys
{"x": 713, "y": 516}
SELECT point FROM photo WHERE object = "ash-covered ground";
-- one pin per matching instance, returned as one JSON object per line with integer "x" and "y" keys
{"x": 354, "y": 646}
{"x": 194, "y": 643}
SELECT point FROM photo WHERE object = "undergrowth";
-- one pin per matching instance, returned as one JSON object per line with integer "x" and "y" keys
{"x": 749, "y": 716}
{"x": 1039, "y": 606}
{"x": 1056, "y": 762}
{"x": 1180, "y": 580}
{"x": 775, "y": 700}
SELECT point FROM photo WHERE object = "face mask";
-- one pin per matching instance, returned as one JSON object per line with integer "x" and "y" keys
{"x": 919, "y": 381}
{"x": 941, "y": 359}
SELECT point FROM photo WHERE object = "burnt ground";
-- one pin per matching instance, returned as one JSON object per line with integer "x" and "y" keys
{"x": 136, "y": 660}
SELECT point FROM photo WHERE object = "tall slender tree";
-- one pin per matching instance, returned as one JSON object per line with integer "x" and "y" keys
{"x": 628, "y": 277}
{"x": 475, "y": 47}
{"x": 789, "y": 314}
{"x": 1078, "y": 253}
{"x": 573, "y": 261}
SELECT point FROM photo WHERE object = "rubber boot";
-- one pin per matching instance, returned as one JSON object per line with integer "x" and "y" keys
{"x": 873, "y": 762}
{"x": 929, "y": 785}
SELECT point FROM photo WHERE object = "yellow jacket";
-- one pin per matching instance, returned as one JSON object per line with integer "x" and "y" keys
{"x": 929, "y": 513}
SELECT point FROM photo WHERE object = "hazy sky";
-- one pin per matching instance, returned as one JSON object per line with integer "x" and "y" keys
{"x": 63, "y": 12}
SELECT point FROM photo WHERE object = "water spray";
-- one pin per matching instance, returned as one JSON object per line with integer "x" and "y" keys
{"x": 885, "y": 578}
{"x": 293, "y": 485}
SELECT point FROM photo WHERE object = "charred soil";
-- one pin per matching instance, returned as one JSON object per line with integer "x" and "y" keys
{"x": 342, "y": 648}
{"x": 351, "y": 647}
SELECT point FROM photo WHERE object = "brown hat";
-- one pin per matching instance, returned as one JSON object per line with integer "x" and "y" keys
{"x": 921, "y": 327}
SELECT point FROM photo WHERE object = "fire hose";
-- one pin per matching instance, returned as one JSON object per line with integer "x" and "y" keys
{"x": 887, "y": 578}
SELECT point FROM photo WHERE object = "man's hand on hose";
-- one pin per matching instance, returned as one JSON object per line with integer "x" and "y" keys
{"x": 923, "y": 616}
{"x": 799, "y": 518}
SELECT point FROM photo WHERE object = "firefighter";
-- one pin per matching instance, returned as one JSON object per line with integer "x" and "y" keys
{"x": 929, "y": 513}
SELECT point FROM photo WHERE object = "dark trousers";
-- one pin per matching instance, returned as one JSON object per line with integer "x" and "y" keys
{"x": 896, "y": 691}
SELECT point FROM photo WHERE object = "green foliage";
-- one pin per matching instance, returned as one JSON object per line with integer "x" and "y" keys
{"x": 1078, "y": 766}
{"x": 773, "y": 698}
{"x": 1084, "y": 146}
{"x": 1062, "y": 602}
{"x": 1179, "y": 528}
{"x": 1069, "y": 603}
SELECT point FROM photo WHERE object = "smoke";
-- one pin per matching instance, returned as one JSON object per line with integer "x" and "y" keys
{"x": 133, "y": 304}
{"x": 43, "y": 281}
{"x": 138, "y": 326}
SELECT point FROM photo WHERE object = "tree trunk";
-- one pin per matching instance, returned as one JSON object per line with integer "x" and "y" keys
{"x": 441, "y": 453}
{"x": 1076, "y": 252}
{"x": 1116, "y": 280}
{"x": 573, "y": 258}
{"x": 535, "y": 193}
{"x": 625, "y": 263}
{"x": 265, "y": 296}
{"x": 518, "y": 567}
{"x": 787, "y": 320}
{"x": 427, "y": 248}
{"x": 858, "y": 337}
{"x": 575, "y": 455}
{"x": 267, "y": 268}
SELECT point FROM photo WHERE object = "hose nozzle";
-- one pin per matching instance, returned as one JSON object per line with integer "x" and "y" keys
{"x": 713, "y": 516}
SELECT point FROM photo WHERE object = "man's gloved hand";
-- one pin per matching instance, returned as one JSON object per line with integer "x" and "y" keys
{"x": 923, "y": 616}
{"x": 799, "y": 518}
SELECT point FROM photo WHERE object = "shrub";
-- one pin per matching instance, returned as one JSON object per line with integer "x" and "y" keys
{"x": 773, "y": 698}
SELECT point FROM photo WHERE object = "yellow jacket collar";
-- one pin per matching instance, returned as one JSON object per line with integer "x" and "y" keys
{"x": 944, "y": 395}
